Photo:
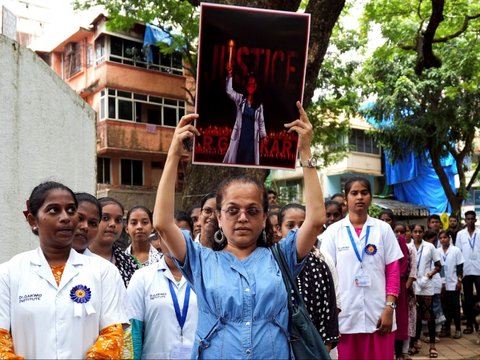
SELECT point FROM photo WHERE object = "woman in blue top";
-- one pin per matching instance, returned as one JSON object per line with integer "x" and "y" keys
{"x": 242, "y": 301}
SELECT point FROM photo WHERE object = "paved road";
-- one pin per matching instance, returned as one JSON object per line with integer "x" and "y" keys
{"x": 463, "y": 348}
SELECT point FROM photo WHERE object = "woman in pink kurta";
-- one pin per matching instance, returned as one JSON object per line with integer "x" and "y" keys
{"x": 366, "y": 253}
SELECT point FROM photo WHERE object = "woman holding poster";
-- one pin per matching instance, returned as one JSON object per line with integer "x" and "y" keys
{"x": 249, "y": 128}
{"x": 241, "y": 296}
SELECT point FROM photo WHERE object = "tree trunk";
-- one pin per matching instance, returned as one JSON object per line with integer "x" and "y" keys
{"x": 203, "y": 179}
{"x": 455, "y": 200}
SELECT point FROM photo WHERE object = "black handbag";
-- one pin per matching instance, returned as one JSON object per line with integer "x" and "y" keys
{"x": 305, "y": 339}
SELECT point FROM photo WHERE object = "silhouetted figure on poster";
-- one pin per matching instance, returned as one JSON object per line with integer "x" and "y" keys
{"x": 249, "y": 128}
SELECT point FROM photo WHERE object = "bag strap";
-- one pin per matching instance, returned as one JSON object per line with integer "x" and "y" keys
{"x": 288, "y": 280}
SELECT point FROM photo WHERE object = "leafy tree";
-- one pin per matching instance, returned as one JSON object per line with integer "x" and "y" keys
{"x": 417, "y": 25}
{"x": 172, "y": 15}
{"x": 437, "y": 109}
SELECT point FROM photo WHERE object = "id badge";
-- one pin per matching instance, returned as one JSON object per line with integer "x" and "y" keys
{"x": 473, "y": 256}
{"x": 362, "y": 280}
{"x": 180, "y": 351}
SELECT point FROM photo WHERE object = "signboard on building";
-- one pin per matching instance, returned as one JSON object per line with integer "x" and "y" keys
{"x": 251, "y": 72}
{"x": 9, "y": 24}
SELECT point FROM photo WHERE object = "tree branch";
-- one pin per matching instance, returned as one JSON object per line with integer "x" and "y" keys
{"x": 474, "y": 177}
{"x": 426, "y": 59}
{"x": 460, "y": 31}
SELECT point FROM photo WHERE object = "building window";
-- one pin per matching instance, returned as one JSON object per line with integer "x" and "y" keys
{"x": 73, "y": 59}
{"x": 103, "y": 170}
{"x": 289, "y": 191}
{"x": 131, "y": 172}
{"x": 100, "y": 53}
{"x": 170, "y": 63}
{"x": 89, "y": 55}
{"x": 125, "y": 105}
{"x": 362, "y": 142}
{"x": 131, "y": 52}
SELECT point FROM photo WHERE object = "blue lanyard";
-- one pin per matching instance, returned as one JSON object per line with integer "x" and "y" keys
{"x": 181, "y": 317}
{"x": 445, "y": 257}
{"x": 359, "y": 257}
{"x": 420, "y": 257}
{"x": 472, "y": 245}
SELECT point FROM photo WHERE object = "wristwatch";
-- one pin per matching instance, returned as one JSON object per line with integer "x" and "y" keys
{"x": 391, "y": 304}
{"x": 311, "y": 163}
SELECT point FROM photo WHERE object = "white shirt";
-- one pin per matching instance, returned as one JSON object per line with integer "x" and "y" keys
{"x": 427, "y": 255}
{"x": 44, "y": 321}
{"x": 450, "y": 259}
{"x": 361, "y": 305}
{"x": 153, "y": 255}
{"x": 470, "y": 248}
{"x": 151, "y": 302}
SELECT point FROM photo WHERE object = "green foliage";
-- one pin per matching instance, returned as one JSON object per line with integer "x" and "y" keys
{"x": 439, "y": 110}
{"x": 337, "y": 94}
{"x": 374, "y": 211}
{"x": 402, "y": 20}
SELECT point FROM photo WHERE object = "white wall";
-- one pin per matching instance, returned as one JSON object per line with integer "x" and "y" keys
{"x": 47, "y": 133}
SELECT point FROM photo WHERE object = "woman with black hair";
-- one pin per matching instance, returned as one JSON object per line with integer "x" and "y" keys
{"x": 242, "y": 299}
{"x": 316, "y": 280}
{"x": 249, "y": 128}
{"x": 54, "y": 302}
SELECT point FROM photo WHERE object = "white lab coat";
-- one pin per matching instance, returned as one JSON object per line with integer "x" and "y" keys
{"x": 471, "y": 256}
{"x": 259, "y": 127}
{"x": 152, "y": 304}
{"x": 450, "y": 259}
{"x": 427, "y": 256}
{"x": 361, "y": 306}
{"x": 44, "y": 321}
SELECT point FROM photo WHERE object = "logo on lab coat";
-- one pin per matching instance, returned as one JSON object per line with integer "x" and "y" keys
{"x": 158, "y": 295}
{"x": 29, "y": 297}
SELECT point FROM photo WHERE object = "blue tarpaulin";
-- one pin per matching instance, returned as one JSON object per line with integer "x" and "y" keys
{"x": 414, "y": 180}
{"x": 154, "y": 35}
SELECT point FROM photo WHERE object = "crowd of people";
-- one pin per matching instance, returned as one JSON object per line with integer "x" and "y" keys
{"x": 203, "y": 283}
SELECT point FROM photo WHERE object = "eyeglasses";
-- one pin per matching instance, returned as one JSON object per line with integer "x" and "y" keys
{"x": 207, "y": 211}
{"x": 233, "y": 212}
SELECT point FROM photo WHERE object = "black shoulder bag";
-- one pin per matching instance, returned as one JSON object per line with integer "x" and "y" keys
{"x": 305, "y": 340}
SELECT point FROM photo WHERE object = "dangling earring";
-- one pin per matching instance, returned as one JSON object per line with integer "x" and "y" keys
{"x": 219, "y": 237}
{"x": 264, "y": 236}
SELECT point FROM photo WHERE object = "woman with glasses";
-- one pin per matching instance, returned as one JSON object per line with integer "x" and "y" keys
{"x": 208, "y": 220}
{"x": 242, "y": 300}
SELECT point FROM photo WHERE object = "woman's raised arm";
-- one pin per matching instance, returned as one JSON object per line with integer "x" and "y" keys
{"x": 163, "y": 214}
{"x": 314, "y": 203}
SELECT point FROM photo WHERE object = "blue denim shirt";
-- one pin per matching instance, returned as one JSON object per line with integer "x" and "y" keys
{"x": 242, "y": 304}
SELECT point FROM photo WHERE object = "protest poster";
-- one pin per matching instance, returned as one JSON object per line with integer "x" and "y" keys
{"x": 250, "y": 73}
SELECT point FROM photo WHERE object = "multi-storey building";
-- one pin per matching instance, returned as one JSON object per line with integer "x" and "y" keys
{"x": 138, "y": 105}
